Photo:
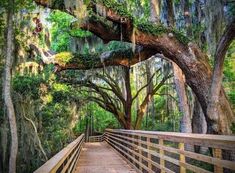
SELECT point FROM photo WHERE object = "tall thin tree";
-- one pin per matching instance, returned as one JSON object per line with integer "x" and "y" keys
{"x": 7, "y": 87}
{"x": 179, "y": 78}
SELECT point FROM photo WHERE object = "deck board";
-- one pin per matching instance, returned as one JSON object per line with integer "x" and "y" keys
{"x": 99, "y": 157}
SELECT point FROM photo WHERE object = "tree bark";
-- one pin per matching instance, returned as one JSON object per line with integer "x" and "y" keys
{"x": 199, "y": 124}
{"x": 170, "y": 13}
{"x": 214, "y": 18}
{"x": 187, "y": 17}
{"x": 150, "y": 106}
{"x": 7, "y": 88}
{"x": 198, "y": 120}
{"x": 155, "y": 6}
{"x": 214, "y": 109}
{"x": 128, "y": 105}
{"x": 185, "y": 123}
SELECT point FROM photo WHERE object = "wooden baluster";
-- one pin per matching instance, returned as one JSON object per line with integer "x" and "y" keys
{"x": 182, "y": 158}
{"x": 162, "y": 161}
{"x": 140, "y": 153}
{"x": 217, "y": 153}
{"x": 149, "y": 155}
{"x": 129, "y": 154}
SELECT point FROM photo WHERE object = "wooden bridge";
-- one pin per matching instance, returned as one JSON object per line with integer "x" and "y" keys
{"x": 131, "y": 151}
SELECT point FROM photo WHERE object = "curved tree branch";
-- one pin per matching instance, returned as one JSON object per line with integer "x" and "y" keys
{"x": 150, "y": 80}
{"x": 143, "y": 107}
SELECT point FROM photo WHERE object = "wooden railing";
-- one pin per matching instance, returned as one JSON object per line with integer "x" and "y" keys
{"x": 98, "y": 138}
{"x": 65, "y": 160}
{"x": 172, "y": 152}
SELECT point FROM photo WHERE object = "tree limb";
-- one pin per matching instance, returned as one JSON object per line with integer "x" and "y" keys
{"x": 150, "y": 80}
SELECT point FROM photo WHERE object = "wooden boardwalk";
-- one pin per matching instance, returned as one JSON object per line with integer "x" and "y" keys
{"x": 148, "y": 151}
{"x": 99, "y": 157}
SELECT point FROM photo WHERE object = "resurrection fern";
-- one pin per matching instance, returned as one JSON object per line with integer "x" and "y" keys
{"x": 117, "y": 7}
{"x": 181, "y": 36}
{"x": 150, "y": 27}
{"x": 63, "y": 58}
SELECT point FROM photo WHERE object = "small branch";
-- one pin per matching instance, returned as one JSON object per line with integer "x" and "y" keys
{"x": 167, "y": 95}
{"x": 150, "y": 80}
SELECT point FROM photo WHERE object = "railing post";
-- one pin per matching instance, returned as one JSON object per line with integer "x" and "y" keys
{"x": 162, "y": 161}
{"x": 182, "y": 158}
{"x": 217, "y": 153}
{"x": 149, "y": 155}
{"x": 140, "y": 153}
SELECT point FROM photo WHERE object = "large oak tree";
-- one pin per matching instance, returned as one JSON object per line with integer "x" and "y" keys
{"x": 114, "y": 22}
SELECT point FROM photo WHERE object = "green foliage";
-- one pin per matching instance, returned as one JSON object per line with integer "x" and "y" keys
{"x": 27, "y": 85}
{"x": 80, "y": 33}
{"x": 93, "y": 115}
{"x": 62, "y": 32}
{"x": 63, "y": 58}
{"x": 60, "y": 36}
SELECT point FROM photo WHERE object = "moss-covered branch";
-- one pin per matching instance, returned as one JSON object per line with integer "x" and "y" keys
{"x": 123, "y": 57}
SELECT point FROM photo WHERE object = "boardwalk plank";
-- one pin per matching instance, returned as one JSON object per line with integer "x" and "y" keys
{"x": 99, "y": 157}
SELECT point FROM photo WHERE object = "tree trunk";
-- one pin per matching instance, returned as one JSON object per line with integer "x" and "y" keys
{"x": 213, "y": 110}
{"x": 127, "y": 108}
{"x": 187, "y": 18}
{"x": 185, "y": 123}
{"x": 155, "y": 6}
{"x": 7, "y": 88}
{"x": 198, "y": 120}
{"x": 150, "y": 106}
{"x": 137, "y": 77}
{"x": 214, "y": 18}
{"x": 179, "y": 79}
{"x": 200, "y": 37}
{"x": 199, "y": 124}
{"x": 170, "y": 13}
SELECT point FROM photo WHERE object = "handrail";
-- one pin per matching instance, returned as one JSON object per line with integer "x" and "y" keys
{"x": 172, "y": 152}
{"x": 98, "y": 138}
{"x": 65, "y": 160}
